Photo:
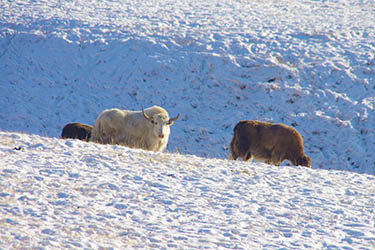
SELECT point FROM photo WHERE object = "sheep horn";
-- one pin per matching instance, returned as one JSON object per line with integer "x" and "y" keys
{"x": 144, "y": 114}
{"x": 174, "y": 119}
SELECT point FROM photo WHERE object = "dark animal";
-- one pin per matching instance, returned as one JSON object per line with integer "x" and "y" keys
{"x": 269, "y": 142}
{"x": 76, "y": 130}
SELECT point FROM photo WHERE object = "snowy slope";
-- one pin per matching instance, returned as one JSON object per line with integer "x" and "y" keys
{"x": 309, "y": 64}
{"x": 70, "y": 194}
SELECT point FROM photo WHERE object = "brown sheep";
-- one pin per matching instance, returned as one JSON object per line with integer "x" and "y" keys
{"x": 269, "y": 142}
{"x": 76, "y": 130}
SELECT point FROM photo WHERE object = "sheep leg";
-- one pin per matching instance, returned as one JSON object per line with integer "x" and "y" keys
{"x": 277, "y": 158}
{"x": 247, "y": 156}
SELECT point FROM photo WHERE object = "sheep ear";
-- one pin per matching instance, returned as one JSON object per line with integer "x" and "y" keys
{"x": 170, "y": 123}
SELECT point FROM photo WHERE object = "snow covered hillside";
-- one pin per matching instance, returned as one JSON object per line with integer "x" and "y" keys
{"x": 309, "y": 64}
{"x": 306, "y": 63}
{"x": 68, "y": 194}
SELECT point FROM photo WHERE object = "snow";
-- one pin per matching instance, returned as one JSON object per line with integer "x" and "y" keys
{"x": 308, "y": 64}
{"x": 71, "y": 194}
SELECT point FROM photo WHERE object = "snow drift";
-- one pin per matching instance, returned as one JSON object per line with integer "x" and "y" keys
{"x": 72, "y": 194}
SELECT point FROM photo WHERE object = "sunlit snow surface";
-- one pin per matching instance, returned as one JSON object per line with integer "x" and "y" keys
{"x": 308, "y": 64}
{"x": 71, "y": 194}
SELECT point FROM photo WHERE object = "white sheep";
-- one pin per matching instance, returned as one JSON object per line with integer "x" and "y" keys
{"x": 147, "y": 129}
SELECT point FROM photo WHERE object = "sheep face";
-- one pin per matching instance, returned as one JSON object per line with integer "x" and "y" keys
{"x": 304, "y": 161}
{"x": 160, "y": 126}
